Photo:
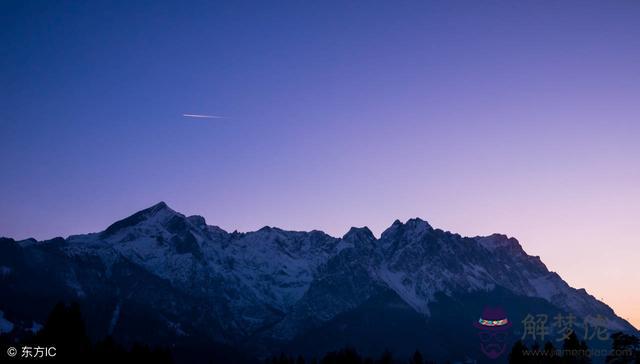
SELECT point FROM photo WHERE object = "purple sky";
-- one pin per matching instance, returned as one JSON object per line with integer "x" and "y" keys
{"x": 481, "y": 116}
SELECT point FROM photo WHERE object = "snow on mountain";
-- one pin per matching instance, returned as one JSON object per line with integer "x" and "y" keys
{"x": 276, "y": 283}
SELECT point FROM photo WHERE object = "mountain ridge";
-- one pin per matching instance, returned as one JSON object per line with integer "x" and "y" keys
{"x": 268, "y": 287}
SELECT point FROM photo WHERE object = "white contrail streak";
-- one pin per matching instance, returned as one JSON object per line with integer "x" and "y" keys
{"x": 200, "y": 116}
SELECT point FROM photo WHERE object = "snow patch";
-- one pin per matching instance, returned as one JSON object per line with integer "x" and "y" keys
{"x": 396, "y": 281}
{"x": 495, "y": 241}
{"x": 73, "y": 283}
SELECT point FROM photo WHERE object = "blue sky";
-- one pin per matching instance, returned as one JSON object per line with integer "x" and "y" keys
{"x": 480, "y": 117}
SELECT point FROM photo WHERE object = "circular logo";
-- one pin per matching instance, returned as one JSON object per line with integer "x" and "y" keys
{"x": 12, "y": 351}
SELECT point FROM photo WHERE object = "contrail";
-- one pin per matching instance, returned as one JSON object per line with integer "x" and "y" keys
{"x": 200, "y": 116}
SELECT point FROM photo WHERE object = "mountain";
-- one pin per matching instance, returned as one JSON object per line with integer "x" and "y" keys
{"x": 163, "y": 278}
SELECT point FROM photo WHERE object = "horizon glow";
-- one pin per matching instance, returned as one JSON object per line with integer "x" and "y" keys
{"x": 493, "y": 117}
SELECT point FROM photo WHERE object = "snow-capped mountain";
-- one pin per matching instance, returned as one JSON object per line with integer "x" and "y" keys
{"x": 271, "y": 288}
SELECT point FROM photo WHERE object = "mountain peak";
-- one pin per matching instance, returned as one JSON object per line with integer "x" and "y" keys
{"x": 161, "y": 208}
{"x": 157, "y": 207}
{"x": 413, "y": 226}
{"x": 360, "y": 234}
{"x": 495, "y": 241}
{"x": 417, "y": 222}
{"x": 197, "y": 220}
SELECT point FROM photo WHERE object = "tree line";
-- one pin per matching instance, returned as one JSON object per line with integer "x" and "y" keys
{"x": 348, "y": 355}
{"x": 65, "y": 329}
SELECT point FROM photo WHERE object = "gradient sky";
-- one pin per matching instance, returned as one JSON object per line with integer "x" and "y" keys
{"x": 520, "y": 117}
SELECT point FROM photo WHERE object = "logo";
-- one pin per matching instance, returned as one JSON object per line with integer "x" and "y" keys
{"x": 493, "y": 330}
{"x": 12, "y": 351}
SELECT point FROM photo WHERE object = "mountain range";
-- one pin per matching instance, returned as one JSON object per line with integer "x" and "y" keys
{"x": 164, "y": 278}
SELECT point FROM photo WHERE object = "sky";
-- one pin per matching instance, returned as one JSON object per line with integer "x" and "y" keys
{"x": 478, "y": 116}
